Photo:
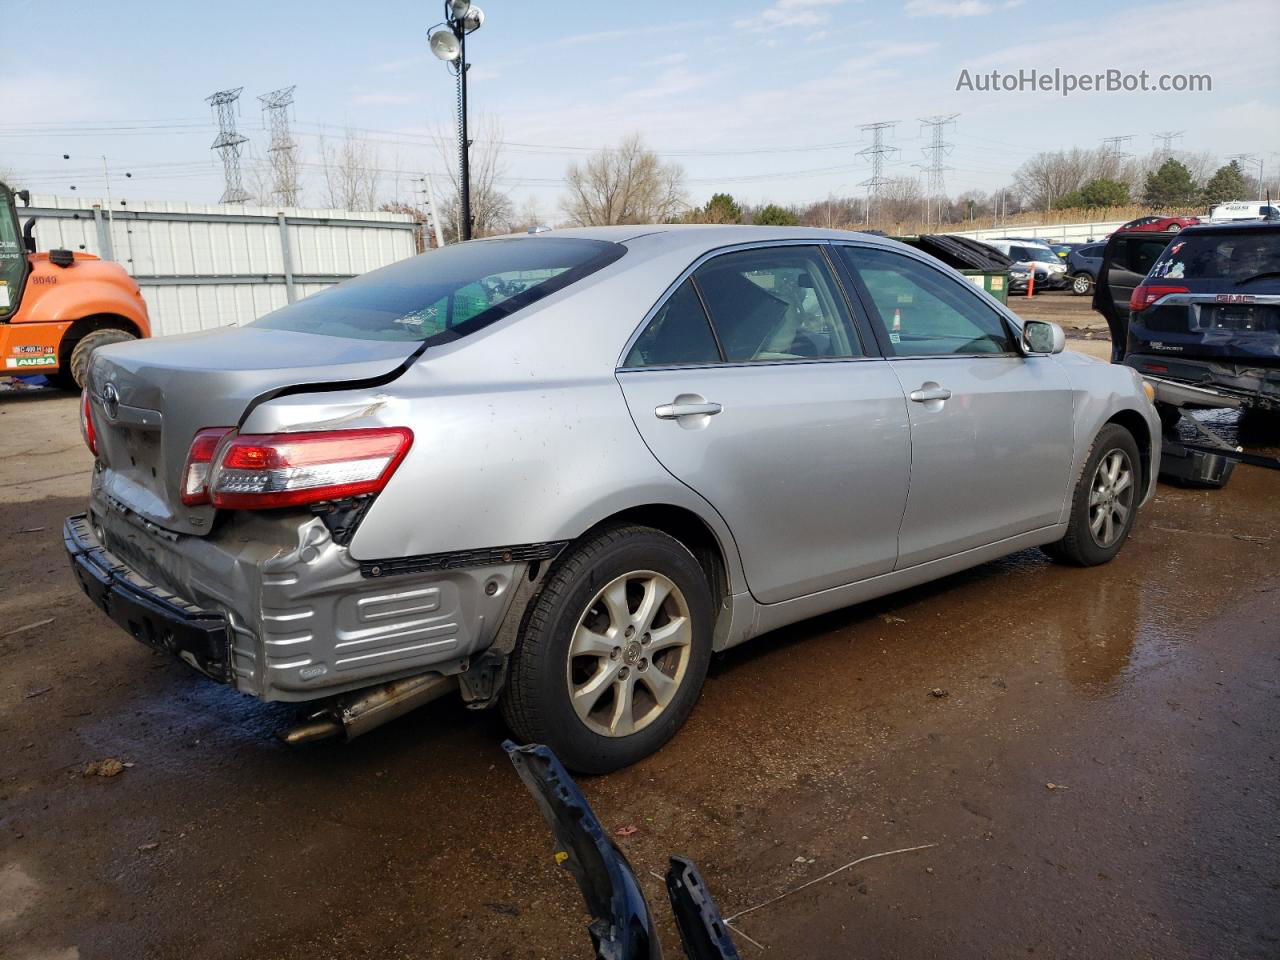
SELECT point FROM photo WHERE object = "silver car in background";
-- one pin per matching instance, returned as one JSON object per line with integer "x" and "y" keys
{"x": 556, "y": 472}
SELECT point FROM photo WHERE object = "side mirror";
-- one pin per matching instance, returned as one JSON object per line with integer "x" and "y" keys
{"x": 1041, "y": 337}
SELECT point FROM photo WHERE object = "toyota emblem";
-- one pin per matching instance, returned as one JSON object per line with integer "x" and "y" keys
{"x": 111, "y": 400}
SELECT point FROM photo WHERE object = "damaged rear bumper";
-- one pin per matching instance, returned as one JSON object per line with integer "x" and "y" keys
{"x": 1234, "y": 384}
{"x": 271, "y": 604}
{"x": 161, "y": 620}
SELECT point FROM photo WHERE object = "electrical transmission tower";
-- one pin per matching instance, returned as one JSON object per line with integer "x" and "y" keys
{"x": 1166, "y": 138}
{"x": 284, "y": 163}
{"x": 228, "y": 142}
{"x": 876, "y": 153}
{"x": 1113, "y": 146}
{"x": 935, "y": 190}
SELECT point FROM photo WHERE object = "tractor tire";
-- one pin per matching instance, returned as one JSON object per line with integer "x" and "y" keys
{"x": 77, "y": 367}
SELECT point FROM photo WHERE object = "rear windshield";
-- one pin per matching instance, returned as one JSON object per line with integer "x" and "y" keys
{"x": 1248, "y": 255}
{"x": 447, "y": 293}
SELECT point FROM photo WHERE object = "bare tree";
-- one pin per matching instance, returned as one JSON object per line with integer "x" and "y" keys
{"x": 530, "y": 216}
{"x": 901, "y": 199}
{"x": 491, "y": 209}
{"x": 350, "y": 170}
{"x": 834, "y": 212}
{"x": 624, "y": 184}
{"x": 1047, "y": 176}
{"x": 257, "y": 179}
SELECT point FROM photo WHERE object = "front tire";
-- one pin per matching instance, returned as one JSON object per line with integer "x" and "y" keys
{"x": 1081, "y": 284}
{"x": 613, "y": 653}
{"x": 1104, "y": 504}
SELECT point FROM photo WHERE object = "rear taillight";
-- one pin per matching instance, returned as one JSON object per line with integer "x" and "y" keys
{"x": 1144, "y": 295}
{"x": 195, "y": 476}
{"x": 258, "y": 472}
{"x": 86, "y": 423}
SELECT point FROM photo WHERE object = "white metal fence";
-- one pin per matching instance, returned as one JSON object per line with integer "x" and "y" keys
{"x": 203, "y": 266}
{"x": 1057, "y": 232}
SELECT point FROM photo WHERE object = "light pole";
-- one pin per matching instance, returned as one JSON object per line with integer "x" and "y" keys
{"x": 449, "y": 43}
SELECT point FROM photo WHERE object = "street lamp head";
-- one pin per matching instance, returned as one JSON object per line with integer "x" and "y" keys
{"x": 445, "y": 45}
{"x": 458, "y": 9}
{"x": 473, "y": 21}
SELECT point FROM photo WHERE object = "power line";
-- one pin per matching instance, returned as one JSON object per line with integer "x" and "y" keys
{"x": 228, "y": 143}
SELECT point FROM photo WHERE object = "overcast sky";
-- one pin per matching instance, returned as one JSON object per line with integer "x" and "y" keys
{"x": 762, "y": 99}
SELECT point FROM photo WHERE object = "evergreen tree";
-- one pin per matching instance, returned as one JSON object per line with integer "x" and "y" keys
{"x": 1170, "y": 186}
{"x": 1227, "y": 183}
{"x": 775, "y": 216}
{"x": 721, "y": 208}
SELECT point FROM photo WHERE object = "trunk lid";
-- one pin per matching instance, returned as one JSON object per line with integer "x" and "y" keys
{"x": 150, "y": 397}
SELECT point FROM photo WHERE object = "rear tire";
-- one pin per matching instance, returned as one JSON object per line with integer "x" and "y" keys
{"x": 1081, "y": 284}
{"x": 601, "y": 673}
{"x": 1104, "y": 503}
{"x": 77, "y": 366}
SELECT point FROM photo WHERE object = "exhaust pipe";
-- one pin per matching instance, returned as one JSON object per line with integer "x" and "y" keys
{"x": 357, "y": 713}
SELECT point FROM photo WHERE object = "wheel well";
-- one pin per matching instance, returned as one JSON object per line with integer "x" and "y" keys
{"x": 691, "y": 530}
{"x": 85, "y": 325}
{"x": 1133, "y": 421}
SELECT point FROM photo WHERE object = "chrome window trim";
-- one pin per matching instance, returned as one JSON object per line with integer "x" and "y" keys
{"x": 820, "y": 242}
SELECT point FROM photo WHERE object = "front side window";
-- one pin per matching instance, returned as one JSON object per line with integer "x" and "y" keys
{"x": 447, "y": 293}
{"x": 924, "y": 312}
{"x": 776, "y": 303}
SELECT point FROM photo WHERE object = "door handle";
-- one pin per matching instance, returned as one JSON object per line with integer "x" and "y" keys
{"x": 927, "y": 393}
{"x": 670, "y": 411}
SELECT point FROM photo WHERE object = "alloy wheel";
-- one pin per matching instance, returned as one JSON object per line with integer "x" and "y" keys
{"x": 629, "y": 653}
{"x": 1080, "y": 284}
{"x": 1111, "y": 498}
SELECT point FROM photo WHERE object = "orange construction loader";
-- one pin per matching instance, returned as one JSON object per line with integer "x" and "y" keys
{"x": 56, "y": 308}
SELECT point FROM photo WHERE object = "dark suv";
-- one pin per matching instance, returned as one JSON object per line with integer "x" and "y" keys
{"x": 1083, "y": 262}
{"x": 1201, "y": 307}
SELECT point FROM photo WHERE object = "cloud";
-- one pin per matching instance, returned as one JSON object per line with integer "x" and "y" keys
{"x": 605, "y": 37}
{"x": 949, "y": 8}
{"x": 381, "y": 98}
{"x": 788, "y": 13}
{"x": 670, "y": 83}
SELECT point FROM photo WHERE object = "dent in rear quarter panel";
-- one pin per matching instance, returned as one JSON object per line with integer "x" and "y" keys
{"x": 504, "y": 464}
{"x": 1099, "y": 391}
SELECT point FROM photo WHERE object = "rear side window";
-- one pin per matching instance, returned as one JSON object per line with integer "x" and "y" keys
{"x": 447, "y": 293}
{"x": 1247, "y": 255}
{"x": 678, "y": 333}
{"x": 776, "y": 303}
{"x": 1138, "y": 254}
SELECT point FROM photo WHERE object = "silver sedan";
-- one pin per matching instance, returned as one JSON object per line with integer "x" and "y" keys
{"x": 555, "y": 472}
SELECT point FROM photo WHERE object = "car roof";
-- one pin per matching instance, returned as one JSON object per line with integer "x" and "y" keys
{"x": 700, "y": 236}
{"x": 1232, "y": 226}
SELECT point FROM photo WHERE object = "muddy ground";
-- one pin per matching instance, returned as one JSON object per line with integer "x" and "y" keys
{"x": 1146, "y": 692}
